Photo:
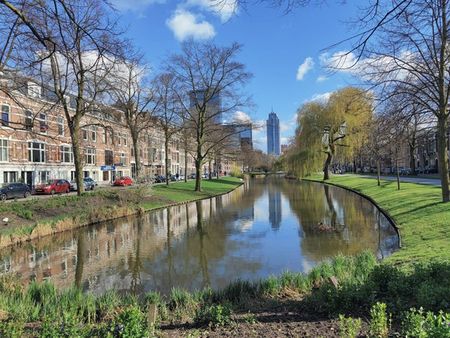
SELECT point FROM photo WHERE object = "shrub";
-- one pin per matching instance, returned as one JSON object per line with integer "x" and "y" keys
{"x": 349, "y": 327}
{"x": 213, "y": 315}
{"x": 378, "y": 327}
{"x": 418, "y": 324}
{"x": 130, "y": 323}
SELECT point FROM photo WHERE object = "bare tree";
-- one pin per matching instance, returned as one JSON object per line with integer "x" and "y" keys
{"x": 410, "y": 56}
{"x": 210, "y": 87}
{"x": 74, "y": 46}
{"x": 168, "y": 113}
{"x": 136, "y": 99}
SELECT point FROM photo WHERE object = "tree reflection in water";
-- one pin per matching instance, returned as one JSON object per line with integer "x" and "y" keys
{"x": 265, "y": 227}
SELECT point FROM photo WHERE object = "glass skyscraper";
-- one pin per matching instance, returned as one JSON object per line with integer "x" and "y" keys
{"x": 273, "y": 134}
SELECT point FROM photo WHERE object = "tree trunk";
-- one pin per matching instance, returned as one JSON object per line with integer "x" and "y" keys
{"x": 378, "y": 172}
{"x": 137, "y": 165}
{"x": 185, "y": 165}
{"x": 412, "y": 160}
{"x": 166, "y": 160}
{"x": 398, "y": 170}
{"x": 209, "y": 170}
{"x": 74, "y": 129}
{"x": 443, "y": 157}
{"x": 198, "y": 178}
{"x": 326, "y": 167}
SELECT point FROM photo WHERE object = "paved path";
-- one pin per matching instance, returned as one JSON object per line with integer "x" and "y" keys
{"x": 420, "y": 180}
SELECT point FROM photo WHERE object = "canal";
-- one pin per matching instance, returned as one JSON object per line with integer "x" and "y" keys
{"x": 265, "y": 227}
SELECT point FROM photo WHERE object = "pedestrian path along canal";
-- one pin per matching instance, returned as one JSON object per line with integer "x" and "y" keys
{"x": 265, "y": 227}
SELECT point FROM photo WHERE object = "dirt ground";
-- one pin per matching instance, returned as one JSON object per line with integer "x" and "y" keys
{"x": 279, "y": 319}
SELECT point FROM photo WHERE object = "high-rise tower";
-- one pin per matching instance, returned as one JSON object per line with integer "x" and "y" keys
{"x": 273, "y": 134}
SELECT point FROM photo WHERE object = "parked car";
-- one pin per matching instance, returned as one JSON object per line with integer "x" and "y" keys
{"x": 159, "y": 179}
{"x": 14, "y": 190}
{"x": 88, "y": 183}
{"x": 191, "y": 176}
{"x": 91, "y": 181}
{"x": 123, "y": 181}
{"x": 55, "y": 186}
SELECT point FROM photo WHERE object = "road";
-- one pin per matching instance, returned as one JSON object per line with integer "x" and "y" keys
{"x": 419, "y": 180}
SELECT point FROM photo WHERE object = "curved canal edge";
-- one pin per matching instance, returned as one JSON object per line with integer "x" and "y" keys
{"x": 26, "y": 233}
{"x": 370, "y": 199}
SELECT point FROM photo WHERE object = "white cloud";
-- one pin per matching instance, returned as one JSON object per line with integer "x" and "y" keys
{"x": 324, "y": 97}
{"x": 304, "y": 68}
{"x": 284, "y": 140}
{"x": 225, "y": 9}
{"x": 321, "y": 78}
{"x": 286, "y": 126}
{"x": 186, "y": 25}
{"x": 241, "y": 117}
{"x": 378, "y": 68}
{"x": 134, "y": 5}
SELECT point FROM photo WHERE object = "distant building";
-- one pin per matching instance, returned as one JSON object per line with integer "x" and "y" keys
{"x": 213, "y": 106}
{"x": 273, "y": 134}
{"x": 284, "y": 148}
{"x": 246, "y": 136}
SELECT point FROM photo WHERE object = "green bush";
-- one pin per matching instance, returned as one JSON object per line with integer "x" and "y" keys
{"x": 213, "y": 315}
{"x": 349, "y": 327}
{"x": 418, "y": 324}
{"x": 130, "y": 323}
{"x": 378, "y": 326}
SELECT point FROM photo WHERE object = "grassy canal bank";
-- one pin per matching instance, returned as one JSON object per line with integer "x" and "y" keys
{"x": 37, "y": 217}
{"x": 423, "y": 220}
{"x": 345, "y": 297}
{"x": 293, "y": 304}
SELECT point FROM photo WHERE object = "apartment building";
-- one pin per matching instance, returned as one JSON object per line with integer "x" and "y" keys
{"x": 35, "y": 143}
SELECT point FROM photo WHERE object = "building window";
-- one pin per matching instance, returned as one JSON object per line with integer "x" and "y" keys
{"x": 36, "y": 152}
{"x": 61, "y": 125}
{"x": 104, "y": 136}
{"x": 94, "y": 134}
{"x": 34, "y": 90}
{"x": 43, "y": 126}
{"x": 5, "y": 115}
{"x": 85, "y": 135}
{"x": 28, "y": 120}
{"x": 123, "y": 159}
{"x": 125, "y": 141}
{"x": 90, "y": 156}
{"x": 9, "y": 176}
{"x": 3, "y": 150}
{"x": 109, "y": 157}
{"x": 43, "y": 176}
{"x": 66, "y": 154}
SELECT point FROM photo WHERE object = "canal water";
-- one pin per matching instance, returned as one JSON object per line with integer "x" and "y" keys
{"x": 265, "y": 227}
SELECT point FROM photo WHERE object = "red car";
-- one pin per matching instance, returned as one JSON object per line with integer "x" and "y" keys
{"x": 123, "y": 181}
{"x": 52, "y": 187}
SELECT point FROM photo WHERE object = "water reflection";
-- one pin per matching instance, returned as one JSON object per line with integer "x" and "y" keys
{"x": 264, "y": 227}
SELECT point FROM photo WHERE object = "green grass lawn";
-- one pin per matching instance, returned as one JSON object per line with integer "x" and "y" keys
{"x": 423, "y": 220}
{"x": 184, "y": 191}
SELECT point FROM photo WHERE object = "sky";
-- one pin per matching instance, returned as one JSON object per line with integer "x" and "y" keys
{"x": 287, "y": 54}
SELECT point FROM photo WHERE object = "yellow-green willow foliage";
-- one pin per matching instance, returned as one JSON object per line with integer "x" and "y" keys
{"x": 350, "y": 104}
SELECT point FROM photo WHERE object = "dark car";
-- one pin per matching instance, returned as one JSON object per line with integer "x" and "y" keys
{"x": 14, "y": 190}
{"x": 88, "y": 183}
{"x": 159, "y": 179}
{"x": 55, "y": 186}
{"x": 191, "y": 176}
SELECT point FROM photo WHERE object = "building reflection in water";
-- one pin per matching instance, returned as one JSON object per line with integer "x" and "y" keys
{"x": 207, "y": 243}
{"x": 275, "y": 211}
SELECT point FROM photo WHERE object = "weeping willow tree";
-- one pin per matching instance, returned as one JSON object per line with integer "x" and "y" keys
{"x": 320, "y": 136}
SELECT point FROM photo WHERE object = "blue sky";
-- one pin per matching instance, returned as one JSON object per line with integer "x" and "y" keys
{"x": 285, "y": 53}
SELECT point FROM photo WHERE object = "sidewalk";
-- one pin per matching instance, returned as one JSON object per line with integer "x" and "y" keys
{"x": 419, "y": 180}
